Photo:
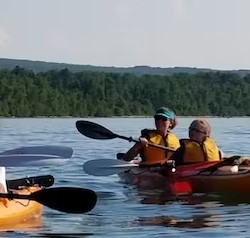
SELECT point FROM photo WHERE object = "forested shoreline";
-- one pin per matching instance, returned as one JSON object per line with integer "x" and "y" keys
{"x": 64, "y": 93}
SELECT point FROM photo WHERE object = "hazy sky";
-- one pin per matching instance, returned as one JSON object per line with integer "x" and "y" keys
{"x": 125, "y": 33}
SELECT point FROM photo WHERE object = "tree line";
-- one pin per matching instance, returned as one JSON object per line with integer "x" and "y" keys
{"x": 24, "y": 93}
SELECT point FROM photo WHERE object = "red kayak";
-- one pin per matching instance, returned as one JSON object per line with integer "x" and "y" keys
{"x": 206, "y": 177}
{"x": 198, "y": 178}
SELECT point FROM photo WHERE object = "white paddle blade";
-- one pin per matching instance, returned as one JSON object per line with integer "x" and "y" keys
{"x": 24, "y": 160}
{"x": 106, "y": 167}
{"x": 61, "y": 151}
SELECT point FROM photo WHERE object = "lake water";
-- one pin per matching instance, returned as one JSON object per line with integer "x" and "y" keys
{"x": 123, "y": 210}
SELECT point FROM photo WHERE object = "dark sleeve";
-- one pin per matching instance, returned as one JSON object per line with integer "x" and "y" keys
{"x": 145, "y": 133}
{"x": 177, "y": 156}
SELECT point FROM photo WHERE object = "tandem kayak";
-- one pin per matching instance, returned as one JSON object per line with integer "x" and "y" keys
{"x": 198, "y": 178}
{"x": 17, "y": 211}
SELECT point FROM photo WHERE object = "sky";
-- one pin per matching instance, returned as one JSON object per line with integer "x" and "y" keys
{"x": 211, "y": 34}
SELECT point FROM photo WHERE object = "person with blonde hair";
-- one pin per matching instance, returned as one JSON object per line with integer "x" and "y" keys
{"x": 200, "y": 147}
{"x": 165, "y": 121}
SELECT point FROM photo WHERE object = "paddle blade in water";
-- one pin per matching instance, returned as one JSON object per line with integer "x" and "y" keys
{"x": 66, "y": 199}
{"x": 94, "y": 131}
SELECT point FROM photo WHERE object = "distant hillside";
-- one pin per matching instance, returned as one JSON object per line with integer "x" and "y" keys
{"x": 99, "y": 94}
{"x": 41, "y": 66}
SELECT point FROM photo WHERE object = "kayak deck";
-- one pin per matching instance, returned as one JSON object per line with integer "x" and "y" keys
{"x": 17, "y": 211}
{"x": 222, "y": 182}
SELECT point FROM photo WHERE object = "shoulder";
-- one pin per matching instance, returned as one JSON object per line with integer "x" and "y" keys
{"x": 173, "y": 136}
{"x": 184, "y": 141}
{"x": 210, "y": 141}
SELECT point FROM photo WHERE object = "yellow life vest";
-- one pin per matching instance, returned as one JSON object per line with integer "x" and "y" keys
{"x": 153, "y": 155}
{"x": 194, "y": 152}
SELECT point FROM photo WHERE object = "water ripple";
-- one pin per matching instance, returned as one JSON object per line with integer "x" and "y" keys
{"x": 124, "y": 210}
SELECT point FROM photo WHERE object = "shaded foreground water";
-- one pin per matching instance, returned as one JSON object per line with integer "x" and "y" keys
{"x": 123, "y": 210}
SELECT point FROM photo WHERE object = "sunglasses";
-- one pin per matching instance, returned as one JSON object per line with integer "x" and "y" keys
{"x": 196, "y": 130}
{"x": 162, "y": 118}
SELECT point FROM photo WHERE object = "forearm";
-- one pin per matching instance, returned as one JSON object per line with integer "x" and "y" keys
{"x": 133, "y": 152}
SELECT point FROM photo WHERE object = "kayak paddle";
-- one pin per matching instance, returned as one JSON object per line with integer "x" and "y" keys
{"x": 63, "y": 199}
{"x": 41, "y": 181}
{"x": 23, "y": 160}
{"x": 61, "y": 151}
{"x": 96, "y": 131}
{"x": 106, "y": 167}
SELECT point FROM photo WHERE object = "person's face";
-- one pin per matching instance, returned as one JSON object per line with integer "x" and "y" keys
{"x": 162, "y": 124}
{"x": 197, "y": 135}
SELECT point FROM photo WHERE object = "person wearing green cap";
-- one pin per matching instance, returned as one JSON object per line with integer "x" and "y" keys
{"x": 165, "y": 121}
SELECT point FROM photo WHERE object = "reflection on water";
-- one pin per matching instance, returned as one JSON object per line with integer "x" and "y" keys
{"x": 162, "y": 197}
{"x": 206, "y": 208}
{"x": 171, "y": 221}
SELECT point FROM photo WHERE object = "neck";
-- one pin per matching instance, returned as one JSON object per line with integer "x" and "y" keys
{"x": 164, "y": 134}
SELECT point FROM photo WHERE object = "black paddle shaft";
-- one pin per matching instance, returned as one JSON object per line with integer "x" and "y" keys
{"x": 64, "y": 199}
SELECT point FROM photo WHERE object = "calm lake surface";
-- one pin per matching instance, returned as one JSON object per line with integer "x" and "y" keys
{"x": 123, "y": 210}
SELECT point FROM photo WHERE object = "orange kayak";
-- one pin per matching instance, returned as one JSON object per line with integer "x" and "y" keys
{"x": 16, "y": 212}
